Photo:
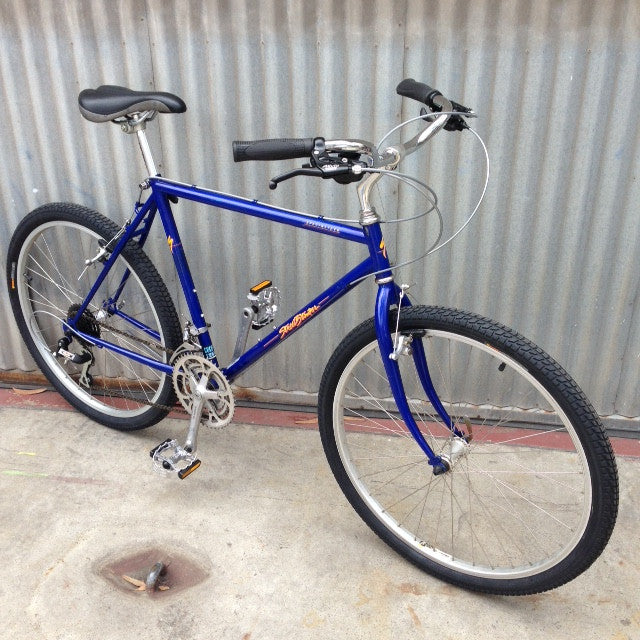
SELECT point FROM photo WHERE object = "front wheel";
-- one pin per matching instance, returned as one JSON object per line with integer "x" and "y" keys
{"x": 531, "y": 495}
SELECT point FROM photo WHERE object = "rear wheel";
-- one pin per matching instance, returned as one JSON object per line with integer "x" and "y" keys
{"x": 49, "y": 278}
{"x": 530, "y": 499}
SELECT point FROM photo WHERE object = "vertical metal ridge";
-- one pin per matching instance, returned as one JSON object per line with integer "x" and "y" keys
{"x": 552, "y": 251}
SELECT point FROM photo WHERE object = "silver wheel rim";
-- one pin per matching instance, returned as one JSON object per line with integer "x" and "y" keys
{"x": 32, "y": 308}
{"x": 354, "y": 461}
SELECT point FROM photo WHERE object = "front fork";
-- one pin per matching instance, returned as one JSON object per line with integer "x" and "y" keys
{"x": 388, "y": 294}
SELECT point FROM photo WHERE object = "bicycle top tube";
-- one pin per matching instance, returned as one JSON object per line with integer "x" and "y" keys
{"x": 171, "y": 188}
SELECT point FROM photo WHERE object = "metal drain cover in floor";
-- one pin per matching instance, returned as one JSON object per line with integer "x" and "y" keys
{"x": 155, "y": 570}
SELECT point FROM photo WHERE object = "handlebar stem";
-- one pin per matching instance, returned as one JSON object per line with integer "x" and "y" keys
{"x": 389, "y": 161}
{"x": 368, "y": 213}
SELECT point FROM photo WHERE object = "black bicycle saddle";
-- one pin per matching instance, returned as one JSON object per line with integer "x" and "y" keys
{"x": 110, "y": 101}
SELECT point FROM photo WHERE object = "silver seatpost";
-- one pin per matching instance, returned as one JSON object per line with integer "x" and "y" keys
{"x": 137, "y": 123}
{"x": 146, "y": 152}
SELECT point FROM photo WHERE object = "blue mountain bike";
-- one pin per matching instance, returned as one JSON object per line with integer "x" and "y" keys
{"x": 464, "y": 446}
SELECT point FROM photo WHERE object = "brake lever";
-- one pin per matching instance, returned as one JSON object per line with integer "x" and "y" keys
{"x": 273, "y": 183}
{"x": 456, "y": 122}
{"x": 325, "y": 173}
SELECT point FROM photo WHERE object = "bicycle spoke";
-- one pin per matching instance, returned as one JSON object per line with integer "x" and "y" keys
{"x": 515, "y": 498}
{"x": 111, "y": 387}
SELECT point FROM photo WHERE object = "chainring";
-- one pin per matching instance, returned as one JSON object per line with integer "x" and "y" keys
{"x": 188, "y": 371}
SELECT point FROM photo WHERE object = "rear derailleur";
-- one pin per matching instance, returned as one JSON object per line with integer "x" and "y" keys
{"x": 86, "y": 324}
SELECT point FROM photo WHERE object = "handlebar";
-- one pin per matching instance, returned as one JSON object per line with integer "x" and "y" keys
{"x": 419, "y": 91}
{"x": 433, "y": 99}
{"x": 275, "y": 149}
{"x": 346, "y": 160}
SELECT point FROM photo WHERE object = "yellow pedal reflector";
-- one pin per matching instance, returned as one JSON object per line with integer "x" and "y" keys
{"x": 183, "y": 473}
{"x": 259, "y": 287}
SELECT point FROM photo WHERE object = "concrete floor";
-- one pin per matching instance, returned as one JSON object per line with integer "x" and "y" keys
{"x": 278, "y": 551}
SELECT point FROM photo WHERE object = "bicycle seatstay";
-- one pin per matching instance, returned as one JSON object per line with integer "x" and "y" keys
{"x": 131, "y": 230}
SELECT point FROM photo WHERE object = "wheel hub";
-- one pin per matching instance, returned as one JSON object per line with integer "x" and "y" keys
{"x": 86, "y": 324}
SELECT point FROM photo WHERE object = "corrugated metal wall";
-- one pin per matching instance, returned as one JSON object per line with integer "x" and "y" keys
{"x": 552, "y": 251}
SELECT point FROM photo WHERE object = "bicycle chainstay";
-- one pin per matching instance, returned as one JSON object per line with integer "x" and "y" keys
{"x": 148, "y": 343}
{"x": 177, "y": 407}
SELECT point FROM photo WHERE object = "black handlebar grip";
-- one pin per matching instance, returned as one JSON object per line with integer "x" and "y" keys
{"x": 410, "y": 88}
{"x": 274, "y": 149}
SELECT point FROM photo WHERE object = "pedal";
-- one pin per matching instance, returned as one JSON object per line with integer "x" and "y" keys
{"x": 264, "y": 300}
{"x": 170, "y": 457}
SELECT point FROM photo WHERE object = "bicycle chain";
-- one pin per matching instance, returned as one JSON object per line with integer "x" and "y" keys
{"x": 178, "y": 407}
{"x": 149, "y": 343}
{"x": 154, "y": 345}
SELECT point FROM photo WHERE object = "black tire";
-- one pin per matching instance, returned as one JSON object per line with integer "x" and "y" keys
{"x": 48, "y": 275}
{"x": 527, "y": 505}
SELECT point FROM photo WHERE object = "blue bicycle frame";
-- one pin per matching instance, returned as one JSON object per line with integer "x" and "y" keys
{"x": 159, "y": 201}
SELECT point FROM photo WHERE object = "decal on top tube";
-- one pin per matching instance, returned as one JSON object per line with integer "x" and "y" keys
{"x": 323, "y": 226}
